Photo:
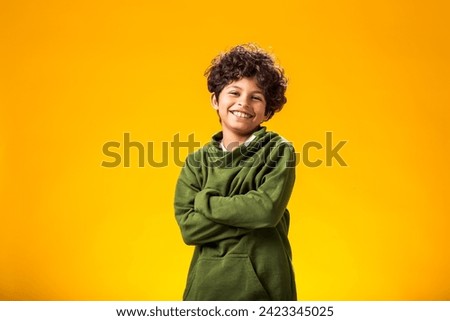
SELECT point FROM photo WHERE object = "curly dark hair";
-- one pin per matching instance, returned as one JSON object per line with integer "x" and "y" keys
{"x": 249, "y": 60}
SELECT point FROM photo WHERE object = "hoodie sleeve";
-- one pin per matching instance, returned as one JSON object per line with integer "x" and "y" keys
{"x": 196, "y": 228}
{"x": 260, "y": 208}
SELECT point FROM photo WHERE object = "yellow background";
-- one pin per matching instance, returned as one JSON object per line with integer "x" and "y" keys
{"x": 75, "y": 75}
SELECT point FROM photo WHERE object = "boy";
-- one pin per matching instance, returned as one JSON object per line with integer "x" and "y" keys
{"x": 231, "y": 196}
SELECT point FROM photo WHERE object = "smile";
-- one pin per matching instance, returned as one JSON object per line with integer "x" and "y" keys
{"x": 240, "y": 114}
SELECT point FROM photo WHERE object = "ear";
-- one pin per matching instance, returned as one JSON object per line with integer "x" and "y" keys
{"x": 214, "y": 102}
{"x": 267, "y": 116}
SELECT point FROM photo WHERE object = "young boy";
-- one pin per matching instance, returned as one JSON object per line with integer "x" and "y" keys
{"x": 231, "y": 196}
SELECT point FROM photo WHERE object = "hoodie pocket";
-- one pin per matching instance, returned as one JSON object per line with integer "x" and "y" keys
{"x": 228, "y": 278}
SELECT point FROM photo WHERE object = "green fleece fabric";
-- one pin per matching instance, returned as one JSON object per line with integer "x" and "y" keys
{"x": 232, "y": 207}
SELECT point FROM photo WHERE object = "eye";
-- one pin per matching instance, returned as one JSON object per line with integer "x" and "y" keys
{"x": 234, "y": 93}
{"x": 257, "y": 98}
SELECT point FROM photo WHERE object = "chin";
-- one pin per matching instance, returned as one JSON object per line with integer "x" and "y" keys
{"x": 245, "y": 130}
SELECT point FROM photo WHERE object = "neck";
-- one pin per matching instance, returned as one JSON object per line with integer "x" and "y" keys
{"x": 231, "y": 140}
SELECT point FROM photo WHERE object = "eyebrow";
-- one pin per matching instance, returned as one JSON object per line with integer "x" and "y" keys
{"x": 253, "y": 92}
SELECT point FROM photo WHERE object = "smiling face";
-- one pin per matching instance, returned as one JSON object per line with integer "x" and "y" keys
{"x": 241, "y": 107}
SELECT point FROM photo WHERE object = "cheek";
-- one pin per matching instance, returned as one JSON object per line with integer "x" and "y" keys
{"x": 262, "y": 110}
{"x": 223, "y": 110}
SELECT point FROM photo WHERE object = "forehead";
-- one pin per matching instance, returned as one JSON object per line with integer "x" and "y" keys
{"x": 246, "y": 83}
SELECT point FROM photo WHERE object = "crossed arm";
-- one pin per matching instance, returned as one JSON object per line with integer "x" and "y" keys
{"x": 205, "y": 216}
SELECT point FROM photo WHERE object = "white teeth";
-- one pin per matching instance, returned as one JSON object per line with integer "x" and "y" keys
{"x": 241, "y": 114}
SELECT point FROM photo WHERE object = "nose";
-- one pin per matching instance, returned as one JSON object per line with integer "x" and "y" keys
{"x": 243, "y": 101}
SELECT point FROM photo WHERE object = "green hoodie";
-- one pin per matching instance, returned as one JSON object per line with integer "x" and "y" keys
{"x": 232, "y": 207}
